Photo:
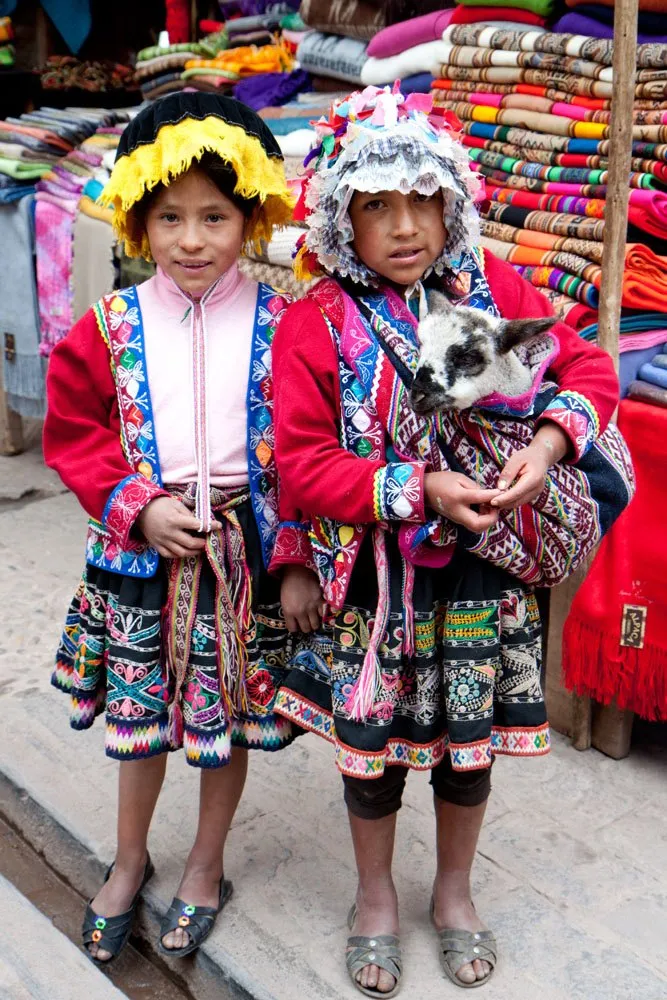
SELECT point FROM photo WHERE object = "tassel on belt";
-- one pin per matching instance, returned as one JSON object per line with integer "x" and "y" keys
{"x": 363, "y": 695}
{"x": 234, "y": 621}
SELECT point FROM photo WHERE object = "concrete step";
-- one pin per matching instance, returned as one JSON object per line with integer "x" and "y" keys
{"x": 566, "y": 874}
{"x": 37, "y": 962}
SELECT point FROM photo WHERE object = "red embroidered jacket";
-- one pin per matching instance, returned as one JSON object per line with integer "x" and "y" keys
{"x": 82, "y": 442}
{"x": 331, "y": 482}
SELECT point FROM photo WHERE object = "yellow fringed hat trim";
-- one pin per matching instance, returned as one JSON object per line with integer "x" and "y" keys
{"x": 174, "y": 150}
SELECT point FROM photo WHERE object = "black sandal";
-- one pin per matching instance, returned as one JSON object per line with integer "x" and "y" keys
{"x": 111, "y": 933}
{"x": 198, "y": 921}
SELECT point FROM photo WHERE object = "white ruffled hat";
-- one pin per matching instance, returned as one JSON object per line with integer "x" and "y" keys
{"x": 379, "y": 140}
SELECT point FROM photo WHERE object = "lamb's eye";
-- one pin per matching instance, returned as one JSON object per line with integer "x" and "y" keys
{"x": 467, "y": 360}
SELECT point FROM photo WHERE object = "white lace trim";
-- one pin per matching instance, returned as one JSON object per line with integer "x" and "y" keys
{"x": 403, "y": 158}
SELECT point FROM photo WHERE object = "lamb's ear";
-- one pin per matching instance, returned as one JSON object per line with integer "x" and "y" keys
{"x": 438, "y": 304}
{"x": 513, "y": 332}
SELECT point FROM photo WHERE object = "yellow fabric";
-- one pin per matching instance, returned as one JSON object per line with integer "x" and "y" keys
{"x": 174, "y": 150}
{"x": 97, "y": 142}
{"x": 89, "y": 207}
{"x": 247, "y": 60}
{"x": 306, "y": 266}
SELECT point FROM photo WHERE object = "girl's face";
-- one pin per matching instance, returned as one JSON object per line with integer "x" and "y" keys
{"x": 398, "y": 235}
{"x": 195, "y": 232}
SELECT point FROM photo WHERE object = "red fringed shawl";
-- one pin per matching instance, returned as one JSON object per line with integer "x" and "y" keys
{"x": 615, "y": 638}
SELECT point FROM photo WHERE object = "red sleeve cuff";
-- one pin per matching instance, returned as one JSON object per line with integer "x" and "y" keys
{"x": 292, "y": 546}
{"x": 125, "y": 503}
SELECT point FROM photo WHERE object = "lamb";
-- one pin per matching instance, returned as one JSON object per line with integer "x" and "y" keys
{"x": 467, "y": 355}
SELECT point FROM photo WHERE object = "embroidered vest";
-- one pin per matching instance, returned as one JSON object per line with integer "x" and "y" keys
{"x": 120, "y": 324}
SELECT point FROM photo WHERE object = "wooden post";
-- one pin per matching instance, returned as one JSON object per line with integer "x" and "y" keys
{"x": 576, "y": 718}
{"x": 11, "y": 424}
{"x": 618, "y": 187}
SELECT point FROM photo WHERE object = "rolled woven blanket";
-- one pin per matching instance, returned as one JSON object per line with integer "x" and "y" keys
{"x": 644, "y": 392}
{"x": 329, "y": 55}
{"x": 353, "y": 18}
{"x": 656, "y": 376}
{"x": 406, "y": 34}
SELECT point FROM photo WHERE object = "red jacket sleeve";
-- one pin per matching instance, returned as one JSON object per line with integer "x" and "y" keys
{"x": 324, "y": 478}
{"x": 82, "y": 432}
{"x": 588, "y": 385}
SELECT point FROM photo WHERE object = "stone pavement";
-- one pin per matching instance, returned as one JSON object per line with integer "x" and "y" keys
{"x": 62, "y": 971}
{"x": 572, "y": 865}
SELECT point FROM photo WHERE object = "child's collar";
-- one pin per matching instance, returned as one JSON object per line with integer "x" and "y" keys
{"x": 222, "y": 290}
{"x": 415, "y": 297}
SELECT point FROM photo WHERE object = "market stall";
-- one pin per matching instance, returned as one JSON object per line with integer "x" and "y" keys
{"x": 563, "y": 111}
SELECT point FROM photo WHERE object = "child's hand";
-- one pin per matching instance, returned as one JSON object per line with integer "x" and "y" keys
{"x": 301, "y": 598}
{"x": 165, "y": 524}
{"x": 453, "y": 495}
{"x": 528, "y": 468}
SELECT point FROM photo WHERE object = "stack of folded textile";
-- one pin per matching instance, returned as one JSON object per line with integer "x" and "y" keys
{"x": 162, "y": 70}
{"x": 6, "y": 48}
{"x": 413, "y": 51}
{"x": 336, "y": 47}
{"x": 71, "y": 186}
{"x": 597, "y": 20}
{"x": 65, "y": 152}
{"x": 535, "y": 108}
{"x": 650, "y": 386}
{"x": 259, "y": 25}
{"x": 236, "y": 63}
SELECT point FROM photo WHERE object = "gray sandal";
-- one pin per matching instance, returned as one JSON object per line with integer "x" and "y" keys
{"x": 383, "y": 951}
{"x": 459, "y": 948}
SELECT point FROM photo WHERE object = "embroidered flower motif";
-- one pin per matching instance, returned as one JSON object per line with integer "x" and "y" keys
{"x": 193, "y": 695}
{"x": 390, "y": 681}
{"x": 261, "y": 687}
{"x": 343, "y": 687}
{"x": 464, "y": 690}
{"x": 198, "y": 641}
{"x": 383, "y": 710}
{"x": 406, "y": 685}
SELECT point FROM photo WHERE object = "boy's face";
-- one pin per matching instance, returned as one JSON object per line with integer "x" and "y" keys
{"x": 398, "y": 235}
{"x": 195, "y": 232}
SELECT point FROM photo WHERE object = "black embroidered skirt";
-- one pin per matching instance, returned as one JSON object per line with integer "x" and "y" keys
{"x": 111, "y": 660}
{"x": 471, "y": 689}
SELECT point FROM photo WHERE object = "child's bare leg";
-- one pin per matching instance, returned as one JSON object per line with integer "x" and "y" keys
{"x": 219, "y": 795}
{"x": 458, "y": 829}
{"x": 377, "y": 902}
{"x": 139, "y": 784}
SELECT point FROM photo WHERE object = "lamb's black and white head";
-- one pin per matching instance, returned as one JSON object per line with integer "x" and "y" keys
{"x": 466, "y": 355}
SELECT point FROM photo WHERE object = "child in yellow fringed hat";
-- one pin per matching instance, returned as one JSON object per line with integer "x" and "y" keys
{"x": 160, "y": 421}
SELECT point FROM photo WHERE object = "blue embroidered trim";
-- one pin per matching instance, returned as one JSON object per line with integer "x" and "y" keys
{"x": 260, "y": 440}
{"x": 396, "y": 494}
{"x": 122, "y": 330}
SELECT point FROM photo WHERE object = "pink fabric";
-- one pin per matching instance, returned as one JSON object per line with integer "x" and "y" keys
{"x": 406, "y": 34}
{"x": 640, "y": 341}
{"x": 229, "y": 315}
{"x": 54, "y": 220}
